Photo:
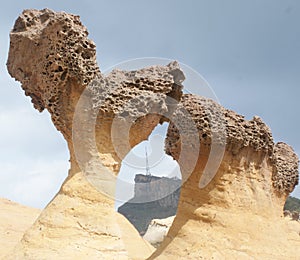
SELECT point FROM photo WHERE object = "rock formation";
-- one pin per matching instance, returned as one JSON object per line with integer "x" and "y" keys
{"x": 235, "y": 212}
{"x": 54, "y": 60}
{"x": 164, "y": 190}
{"x": 15, "y": 219}
{"x": 157, "y": 230}
{"x": 239, "y": 213}
{"x": 154, "y": 198}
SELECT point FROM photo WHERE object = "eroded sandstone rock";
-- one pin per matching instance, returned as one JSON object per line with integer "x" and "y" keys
{"x": 54, "y": 60}
{"x": 228, "y": 209}
{"x": 238, "y": 214}
{"x": 15, "y": 219}
{"x": 52, "y": 56}
{"x": 285, "y": 172}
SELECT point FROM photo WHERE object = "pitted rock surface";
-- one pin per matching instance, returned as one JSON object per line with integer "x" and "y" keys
{"x": 237, "y": 215}
{"x": 51, "y": 55}
{"x": 54, "y": 60}
{"x": 57, "y": 53}
{"x": 247, "y": 192}
{"x": 285, "y": 175}
{"x": 223, "y": 126}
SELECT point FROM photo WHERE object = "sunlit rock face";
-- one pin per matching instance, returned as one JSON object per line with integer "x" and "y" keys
{"x": 51, "y": 55}
{"x": 15, "y": 219}
{"x": 234, "y": 185}
{"x": 238, "y": 214}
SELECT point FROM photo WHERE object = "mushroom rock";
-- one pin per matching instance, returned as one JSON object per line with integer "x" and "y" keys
{"x": 239, "y": 213}
{"x": 101, "y": 117}
{"x": 235, "y": 179}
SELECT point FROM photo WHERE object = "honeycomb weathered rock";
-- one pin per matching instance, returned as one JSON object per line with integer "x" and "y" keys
{"x": 54, "y": 60}
{"x": 225, "y": 127}
{"x": 285, "y": 174}
{"x": 228, "y": 127}
{"x": 48, "y": 50}
{"x": 231, "y": 216}
{"x": 236, "y": 215}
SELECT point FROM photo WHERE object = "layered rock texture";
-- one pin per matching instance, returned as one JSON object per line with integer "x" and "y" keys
{"x": 231, "y": 201}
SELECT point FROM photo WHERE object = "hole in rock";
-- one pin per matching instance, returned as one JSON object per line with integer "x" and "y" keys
{"x": 148, "y": 186}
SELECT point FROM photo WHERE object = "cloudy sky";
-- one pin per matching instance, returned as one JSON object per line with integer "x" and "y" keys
{"x": 248, "y": 51}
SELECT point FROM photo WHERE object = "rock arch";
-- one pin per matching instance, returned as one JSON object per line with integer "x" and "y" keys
{"x": 238, "y": 214}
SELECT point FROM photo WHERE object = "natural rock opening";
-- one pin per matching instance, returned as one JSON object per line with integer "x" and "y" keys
{"x": 222, "y": 208}
{"x": 153, "y": 179}
{"x": 59, "y": 72}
